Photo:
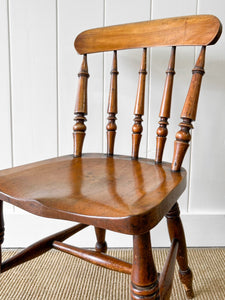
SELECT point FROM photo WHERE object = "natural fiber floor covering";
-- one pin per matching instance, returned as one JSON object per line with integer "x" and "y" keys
{"x": 57, "y": 276}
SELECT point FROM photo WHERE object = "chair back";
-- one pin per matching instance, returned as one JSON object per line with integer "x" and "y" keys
{"x": 201, "y": 30}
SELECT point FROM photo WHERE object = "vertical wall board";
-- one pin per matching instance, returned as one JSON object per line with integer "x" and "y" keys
{"x": 173, "y": 8}
{"x": 208, "y": 164}
{"x": 5, "y": 119}
{"x": 158, "y": 66}
{"x": 33, "y": 62}
{"x": 74, "y": 17}
{"x": 128, "y": 66}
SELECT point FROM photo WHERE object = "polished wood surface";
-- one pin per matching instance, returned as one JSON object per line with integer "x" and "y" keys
{"x": 101, "y": 245}
{"x": 164, "y": 113}
{"x": 112, "y": 107}
{"x": 176, "y": 232}
{"x": 95, "y": 257}
{"x": 83, "y": 189}
{"x": 126, "y": 194}
{"x": 189, "y": 111}
{"x": 189, "y": 30}
{"x": 139, "y": 107}
{"x": 80, "y": 109}
{"x": 39, "y": 247}
{"x": 166, "y": 277}
{"x": 144, "y": 278}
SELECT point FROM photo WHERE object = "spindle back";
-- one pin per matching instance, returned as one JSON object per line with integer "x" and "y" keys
{"x": 202, "y": 30}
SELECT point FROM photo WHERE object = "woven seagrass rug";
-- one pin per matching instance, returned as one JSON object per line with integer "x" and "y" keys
{"x": 59, "y": 276}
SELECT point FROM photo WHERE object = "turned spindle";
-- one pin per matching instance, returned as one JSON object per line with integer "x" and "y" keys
{"x": 112, "y": 107}
{"x": 139, "y": 108}
{"x": 165, "y": 108}
{"x": 80, "y": 109}
{"x": 188, "y": 114}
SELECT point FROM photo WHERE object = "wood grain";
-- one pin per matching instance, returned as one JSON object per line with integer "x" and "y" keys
{"x": 164, "y": 113}
{"x": 112, "y": 193}
{"x": 112, "y": 107}
{"x": 40, "y": 247}
{"x": 80, "y": 109}
{"x": 96, "y": 258}
{"x": 166, "y": 277}
{"x": 144, "y": 278}
{"x": 139, "y": 107}
{"x": 176, "y": 232}
{"x": 188, "y": 113}
{"x": 190, "y": 30}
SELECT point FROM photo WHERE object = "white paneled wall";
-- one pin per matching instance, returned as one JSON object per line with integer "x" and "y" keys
{"x": 32, "y": 39}
{"x": 74, "y": 17}
{"x": 128, "y": 67}
{"x": 38, "y": 89}
{"x": 5, "y": 92}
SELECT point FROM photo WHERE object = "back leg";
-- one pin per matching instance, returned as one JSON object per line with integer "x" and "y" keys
{"x": 176, "y": 231}
{"x": 101, "y": 245}
{"x": 1, "y": 231}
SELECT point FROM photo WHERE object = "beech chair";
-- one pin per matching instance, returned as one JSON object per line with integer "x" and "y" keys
{"x": 125, "y": 194}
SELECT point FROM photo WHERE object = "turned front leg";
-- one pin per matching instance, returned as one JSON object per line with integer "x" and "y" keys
{"x": 101, "y": 245}
{"x": 1, "y": 231}
{"x": 176, "y": 231}
{"x": 144, "y": 278}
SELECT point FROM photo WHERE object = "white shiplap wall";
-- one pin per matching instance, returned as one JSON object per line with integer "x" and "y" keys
{"x": 38, "y": 86}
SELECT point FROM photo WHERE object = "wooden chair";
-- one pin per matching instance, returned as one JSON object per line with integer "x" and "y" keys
{"x": 126, "y": 194}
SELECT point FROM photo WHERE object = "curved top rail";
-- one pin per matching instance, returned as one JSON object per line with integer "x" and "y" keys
{"x": 199, "y": 30}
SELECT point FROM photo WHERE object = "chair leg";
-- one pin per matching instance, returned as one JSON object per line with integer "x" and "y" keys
{"x": 1, "y": 231}
{"x": 101, "y": 245}
{"x": 144, "y": 278}
{"x": 176, "y": 231}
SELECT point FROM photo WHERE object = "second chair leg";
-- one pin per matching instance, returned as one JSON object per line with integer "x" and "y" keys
{"x": 1, "y": 231}
{"x": 176, "y": 231}
{"x": 101, "y": 245}
{"x": 144, "y": 278}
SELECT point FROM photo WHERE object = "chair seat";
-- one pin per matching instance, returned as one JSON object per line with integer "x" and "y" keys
{"x": 95, "y": 189}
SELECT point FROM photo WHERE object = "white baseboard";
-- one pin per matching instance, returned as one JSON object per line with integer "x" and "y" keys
{"x": 22, "y": 230}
